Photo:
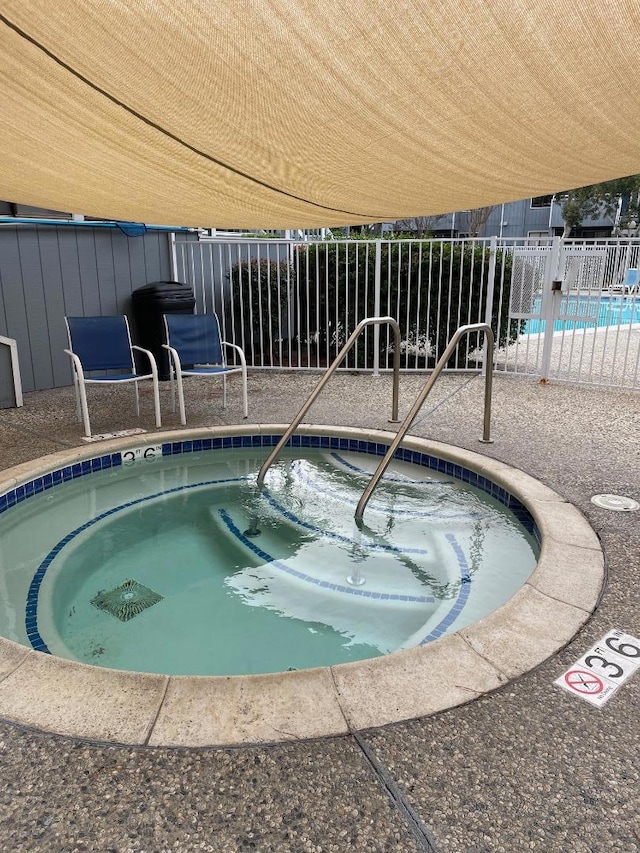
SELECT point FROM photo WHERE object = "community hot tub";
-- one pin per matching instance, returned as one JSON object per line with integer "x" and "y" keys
{"x": 152, "y": 594}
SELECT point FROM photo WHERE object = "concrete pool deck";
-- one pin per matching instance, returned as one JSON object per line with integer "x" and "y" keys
{"x": 525, "y": 767}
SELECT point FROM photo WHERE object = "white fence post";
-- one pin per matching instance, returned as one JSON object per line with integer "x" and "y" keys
{"x": 549, "y": 299}
{"x": 376, "y": 308}
{"x": 488, "y": 309}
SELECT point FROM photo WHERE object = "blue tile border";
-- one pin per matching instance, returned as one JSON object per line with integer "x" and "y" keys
{"x": 451, "y": 469}
{"x": 44, "y": 482}
{"x": 76, "y": 470}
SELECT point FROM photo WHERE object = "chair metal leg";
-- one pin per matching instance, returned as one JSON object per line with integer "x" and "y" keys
{"x": 154, "y": 378}
{"x": 175, "y": 374}
{"x": 85, "y": 409}
{"x": 183, "y": 416}
{"x": 245, "y": 402}
{"x": 77, "y": 393}
{"x": 156, "y": 399}
{"x": 243, "y": 368}
{"x": 172, "y": 380}
{"x": 81, "y": 391}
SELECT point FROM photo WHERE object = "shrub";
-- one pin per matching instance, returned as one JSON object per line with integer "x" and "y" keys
{"x": 432, "y": 288}
{"x": 257, "y": 313}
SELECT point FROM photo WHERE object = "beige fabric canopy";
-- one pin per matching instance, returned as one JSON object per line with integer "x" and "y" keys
{"x": 307, "y": 113}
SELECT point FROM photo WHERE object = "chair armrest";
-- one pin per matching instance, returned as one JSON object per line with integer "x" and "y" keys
{"x": 151, "y": 357}
{"x": 173, "y": 353}
{"x": 175, "y": 358}
{"x": 239, "y": 350}
{"x": 15, "y": 368}
{"x": 77, "y": 364}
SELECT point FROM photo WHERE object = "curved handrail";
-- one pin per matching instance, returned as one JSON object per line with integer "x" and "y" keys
{"x": 368, "y": 321}
{"x": 422, "y": 396}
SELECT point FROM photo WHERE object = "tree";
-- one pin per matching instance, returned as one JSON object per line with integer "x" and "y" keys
{"x": 366, "y": 232}
{"x": 420, "y": 225}
{"x": 604, "y": 199}
{"x": 478, "y": 219}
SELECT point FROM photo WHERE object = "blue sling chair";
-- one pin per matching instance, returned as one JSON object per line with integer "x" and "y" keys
{"x": 104, "y": 344}
{"x": 195, "y": 349}
{"x": 631, "y": 281}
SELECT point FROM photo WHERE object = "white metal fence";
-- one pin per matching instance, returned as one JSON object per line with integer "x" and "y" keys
{"x": 560, "y": 309}
{"x": 581, "y": 320}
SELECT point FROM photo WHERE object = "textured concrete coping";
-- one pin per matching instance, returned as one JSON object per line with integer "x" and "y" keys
{"x": 92, "y": 703}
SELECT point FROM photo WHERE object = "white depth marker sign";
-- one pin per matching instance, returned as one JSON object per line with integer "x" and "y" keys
{"x": 596, "y": 676}
{"x": 142, "y": 454}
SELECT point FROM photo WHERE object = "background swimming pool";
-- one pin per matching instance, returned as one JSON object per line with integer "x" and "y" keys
{"x": 605, "y": 311}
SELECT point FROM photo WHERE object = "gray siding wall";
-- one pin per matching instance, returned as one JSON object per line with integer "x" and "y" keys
{"x": 49, "y": 272}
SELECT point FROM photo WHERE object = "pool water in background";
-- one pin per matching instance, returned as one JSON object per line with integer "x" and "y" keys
{"x": 606, "y": 311}
{"x": 159, "y": 567}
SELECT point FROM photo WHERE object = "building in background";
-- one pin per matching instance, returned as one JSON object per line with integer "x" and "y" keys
{"x": 535, "y": 218}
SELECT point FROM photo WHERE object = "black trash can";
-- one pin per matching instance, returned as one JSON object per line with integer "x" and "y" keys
{"x": 149, "y": 304}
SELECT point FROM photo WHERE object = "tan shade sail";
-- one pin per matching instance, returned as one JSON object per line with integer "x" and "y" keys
{"x": 306, "y": 113}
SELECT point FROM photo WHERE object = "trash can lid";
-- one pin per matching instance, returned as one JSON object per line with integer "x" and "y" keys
{"x": 163, "y": 290}
{"x": 162, "y": 286}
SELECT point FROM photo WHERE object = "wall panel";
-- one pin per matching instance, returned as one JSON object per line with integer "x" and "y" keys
{"x": 47, "y": 272}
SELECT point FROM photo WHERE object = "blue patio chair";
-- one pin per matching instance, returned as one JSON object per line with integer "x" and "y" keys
{"x": 630, "y": 283}
{"x": 104, "y": 344}
{"x": 196, "y": 349}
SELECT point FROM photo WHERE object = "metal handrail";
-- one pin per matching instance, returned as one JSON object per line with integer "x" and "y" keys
{"x": 405, "y": 425}
{"x": 368, "y": 321}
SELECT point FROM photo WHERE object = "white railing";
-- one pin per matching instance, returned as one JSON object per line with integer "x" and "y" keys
{"x": 551, "y": 304}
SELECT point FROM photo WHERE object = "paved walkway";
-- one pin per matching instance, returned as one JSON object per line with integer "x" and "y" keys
{"x": 526, "y": 768}
{"x": 608, "y": 356}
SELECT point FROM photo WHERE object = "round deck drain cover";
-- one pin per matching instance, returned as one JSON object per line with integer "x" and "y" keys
{"x": 616, "y": 502}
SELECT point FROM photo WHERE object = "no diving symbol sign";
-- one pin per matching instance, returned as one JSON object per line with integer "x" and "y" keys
{"x": 583, "y": 682}
{"x": 599, "y": 672}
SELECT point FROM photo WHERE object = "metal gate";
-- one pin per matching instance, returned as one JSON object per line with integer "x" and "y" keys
{"x": 575, "y": 313}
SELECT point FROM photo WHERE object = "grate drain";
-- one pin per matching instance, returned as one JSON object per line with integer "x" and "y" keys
{"x": 619, "y": 503}
{"x": 127, "y": 600}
